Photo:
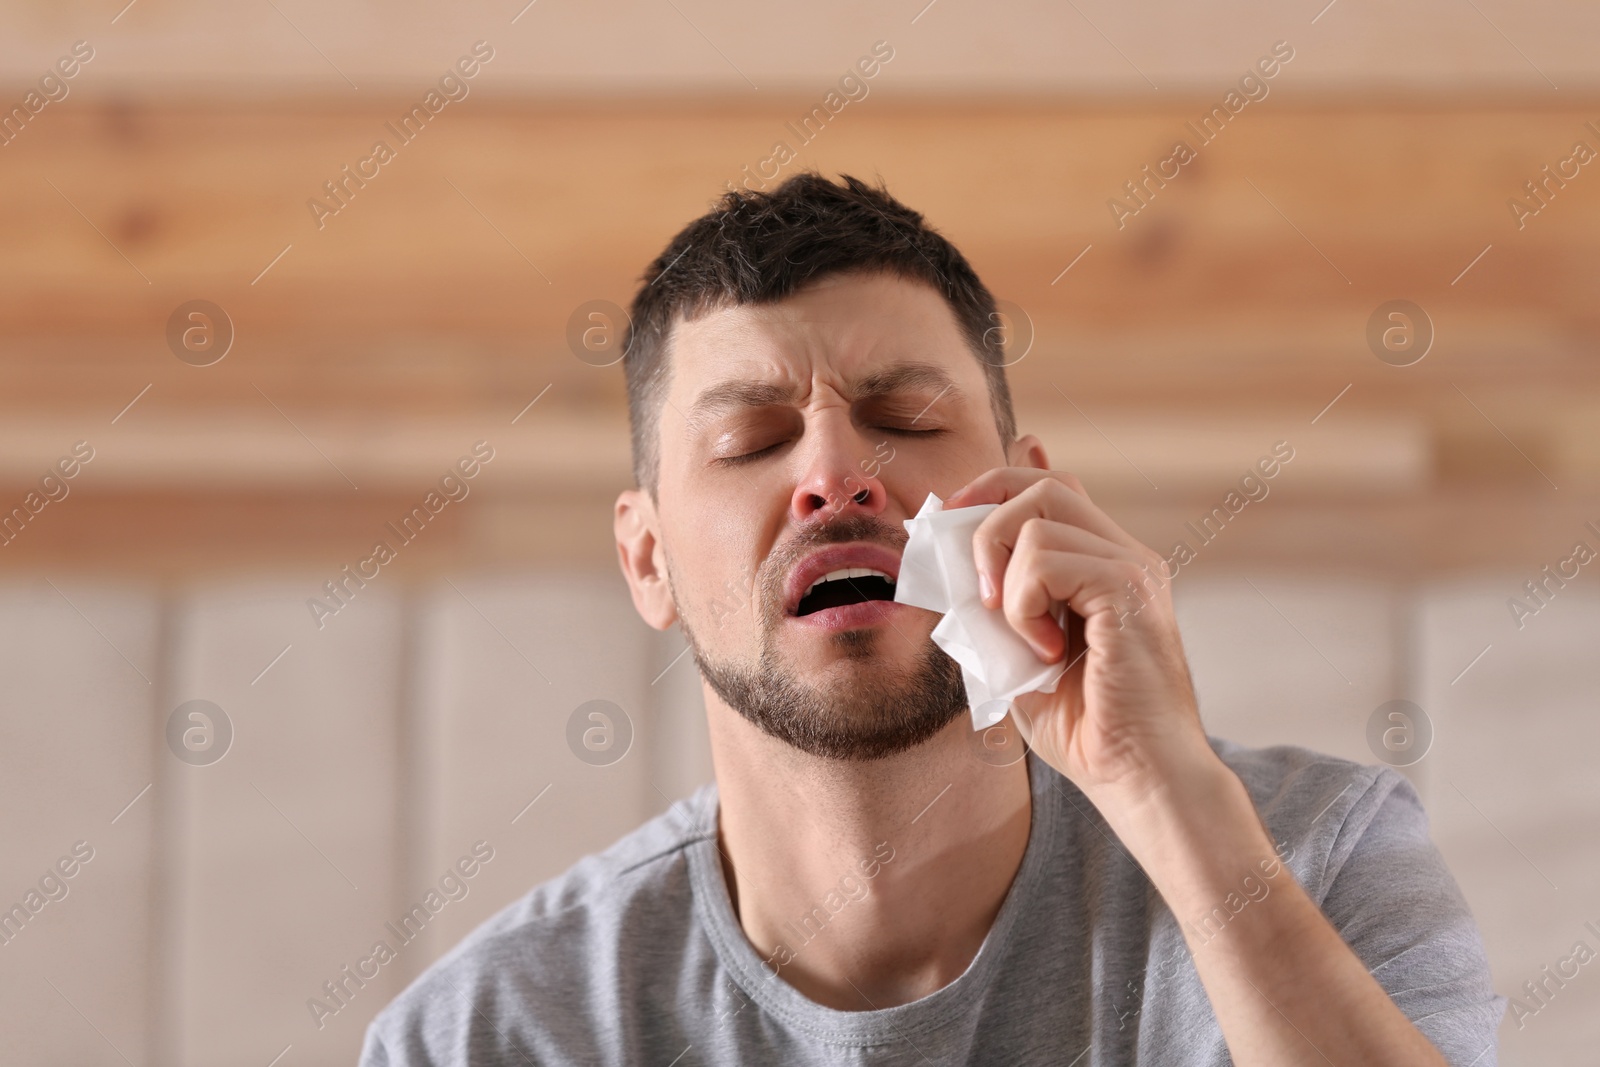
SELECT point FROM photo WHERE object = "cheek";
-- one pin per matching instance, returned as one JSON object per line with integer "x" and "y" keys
{"x": 715, "y": 571}
{"x": 737, "y": 553}
{"x": 940, "y": 467}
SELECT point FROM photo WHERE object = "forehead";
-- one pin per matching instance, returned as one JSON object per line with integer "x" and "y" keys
{"x": 842, "y": 328}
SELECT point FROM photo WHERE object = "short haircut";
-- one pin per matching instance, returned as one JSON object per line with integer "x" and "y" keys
{"x": 761, "y": 247}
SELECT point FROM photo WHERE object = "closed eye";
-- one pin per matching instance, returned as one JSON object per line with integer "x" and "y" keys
{"x": 750, "y": 457}
{"x": 734, "y": 461}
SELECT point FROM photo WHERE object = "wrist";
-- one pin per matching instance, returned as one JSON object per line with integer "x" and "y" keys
{"x": 1173, "y": 781}
{"x": 1193, "y": 828}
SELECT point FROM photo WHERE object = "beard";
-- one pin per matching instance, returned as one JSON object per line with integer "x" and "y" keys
{"x": 871, "y": 712}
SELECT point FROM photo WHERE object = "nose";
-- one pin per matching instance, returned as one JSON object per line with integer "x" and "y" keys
{"x": 842, "y": 475}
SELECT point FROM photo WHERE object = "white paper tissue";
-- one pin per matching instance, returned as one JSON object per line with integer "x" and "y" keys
{"x": 938, "y": 572}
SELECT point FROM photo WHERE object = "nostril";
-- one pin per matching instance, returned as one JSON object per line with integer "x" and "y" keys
{"x": 861, "y": 497}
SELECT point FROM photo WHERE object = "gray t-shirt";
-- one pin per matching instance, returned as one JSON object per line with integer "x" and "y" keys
{"x": 634, "y": 955}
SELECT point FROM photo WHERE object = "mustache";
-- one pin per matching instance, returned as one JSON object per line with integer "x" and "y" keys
{"x": 843, "y": 530}
{"x": 857, "y": 527}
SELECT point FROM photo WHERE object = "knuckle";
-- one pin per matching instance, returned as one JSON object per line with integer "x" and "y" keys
{"x": 1051, "y": 486}
{"x": 983, "y": 540}
{"x": 1022, "y": 560}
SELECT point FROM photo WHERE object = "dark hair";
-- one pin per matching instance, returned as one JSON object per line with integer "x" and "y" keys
{"x": 761, "y": 247}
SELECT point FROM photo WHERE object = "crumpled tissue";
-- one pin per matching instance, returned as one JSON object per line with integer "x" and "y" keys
{"x": 938, "y": 572}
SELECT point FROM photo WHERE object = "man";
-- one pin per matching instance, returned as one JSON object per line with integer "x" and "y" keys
{"x": 867, "y": 882}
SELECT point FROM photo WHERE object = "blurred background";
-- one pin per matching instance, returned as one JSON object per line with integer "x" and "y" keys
{"x": 238, "y": 347}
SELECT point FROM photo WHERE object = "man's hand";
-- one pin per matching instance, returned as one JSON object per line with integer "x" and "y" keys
{"x": 1123, "y": 725}
{"x": 1123, "y": 719}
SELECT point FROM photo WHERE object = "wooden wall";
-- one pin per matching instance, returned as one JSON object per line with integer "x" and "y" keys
{"x": 426, "y": 315}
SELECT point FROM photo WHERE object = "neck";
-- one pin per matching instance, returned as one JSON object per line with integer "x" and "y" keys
{"x": 866, "y": 885}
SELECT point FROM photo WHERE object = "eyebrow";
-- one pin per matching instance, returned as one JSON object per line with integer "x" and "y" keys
{"x": 906, "y": 375}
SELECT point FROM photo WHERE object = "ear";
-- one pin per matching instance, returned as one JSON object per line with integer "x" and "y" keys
{"x": 637, "y": 530}
{"x": 1027, "y": 451}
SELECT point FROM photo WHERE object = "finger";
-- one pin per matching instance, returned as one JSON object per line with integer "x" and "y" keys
{"x": 1061, "y": 488}
{"x": 1000, "y": 483}
{"x": 1053, "y": 500}
{"x": 1037, "y": 534}
{"x": 1039, "y": 580}
{"x": 995, "y": 486}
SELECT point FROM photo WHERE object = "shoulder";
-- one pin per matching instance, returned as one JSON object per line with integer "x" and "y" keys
{"x": 1319, "y": 807}
{"x": 547, "y": 961}
{"x": 1362, "y": 849}
{"x": 1286, "y": 774}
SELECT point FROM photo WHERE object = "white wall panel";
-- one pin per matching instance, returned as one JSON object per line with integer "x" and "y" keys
{"x": 509, "y": 659}
{"x": 1514, "y": 795}
{"x": 287, "y": 854}
{"x": 1280, "y": 658}
{"x": 76, "y": 746}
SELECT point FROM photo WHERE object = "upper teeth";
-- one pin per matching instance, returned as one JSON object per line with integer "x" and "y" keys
{"x": 847, "y": 572}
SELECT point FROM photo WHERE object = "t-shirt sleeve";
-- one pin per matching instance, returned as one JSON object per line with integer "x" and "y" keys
{"x": 447, "y": 1019}
{"x": 1399, "y": 908}
{"x": 373, "y": 1051}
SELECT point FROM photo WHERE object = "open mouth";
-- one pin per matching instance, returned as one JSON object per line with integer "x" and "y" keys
{"x": 847, "y": 585}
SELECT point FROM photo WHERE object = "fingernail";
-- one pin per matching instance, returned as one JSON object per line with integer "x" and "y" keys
{"x": 985, "y": 587}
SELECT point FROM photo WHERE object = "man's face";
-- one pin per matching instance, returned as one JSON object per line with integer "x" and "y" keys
{"x": 796, "y": 438}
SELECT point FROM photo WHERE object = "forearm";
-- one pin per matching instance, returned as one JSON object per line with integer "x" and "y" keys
{"x": 1285, "y": 987}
